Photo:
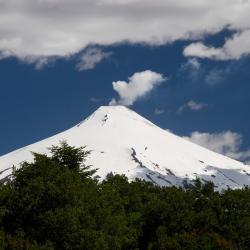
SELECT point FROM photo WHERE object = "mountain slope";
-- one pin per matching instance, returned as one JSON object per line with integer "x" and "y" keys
{"x": 123, "y": 142}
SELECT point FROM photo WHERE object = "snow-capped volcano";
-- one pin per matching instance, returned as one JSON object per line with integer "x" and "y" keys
{"x": 123, "y": 142}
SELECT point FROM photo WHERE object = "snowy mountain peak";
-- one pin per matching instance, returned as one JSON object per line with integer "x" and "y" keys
{"x": 115, "y": 110}
{"x": 114, "y": 118}
{"x": 124, "y": 142}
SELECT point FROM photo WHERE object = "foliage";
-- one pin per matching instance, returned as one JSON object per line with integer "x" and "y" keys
{"x": 54, "y": 204}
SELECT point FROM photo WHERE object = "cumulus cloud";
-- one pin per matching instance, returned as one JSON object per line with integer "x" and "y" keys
{"x": 234, "y": 48}
{"x": 200, "y": 50}
{"x": 91, "y": 57}
{"x": 60, "y": 28}
{"x": 139, "y": 85}
{"x": 192, "y": 105}
{"x": 227, "y": 143}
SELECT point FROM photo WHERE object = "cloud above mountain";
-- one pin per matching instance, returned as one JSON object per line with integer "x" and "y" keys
{"x": 139, "y": 85}
{"x": 227, "y": 143}
{"x": 91, "y": 57}
{"x": 234, "y": 48}
{"x": 31, "y": 29}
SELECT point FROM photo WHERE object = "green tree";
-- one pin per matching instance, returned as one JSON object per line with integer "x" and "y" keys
{"x": 49, "y": 198}
{"x": 54, "y": 203}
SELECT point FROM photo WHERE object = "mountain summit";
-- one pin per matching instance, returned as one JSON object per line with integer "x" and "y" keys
{"x": 123, "y": 142}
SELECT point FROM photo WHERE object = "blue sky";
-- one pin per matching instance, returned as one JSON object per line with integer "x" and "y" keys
{"x": 207, "y": 90}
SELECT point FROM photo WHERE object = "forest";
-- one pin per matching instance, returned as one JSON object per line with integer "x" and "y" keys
{"x": 57, "y": 203}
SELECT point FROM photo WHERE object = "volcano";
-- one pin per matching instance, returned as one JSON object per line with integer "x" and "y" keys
{"x": 123, "y": 142}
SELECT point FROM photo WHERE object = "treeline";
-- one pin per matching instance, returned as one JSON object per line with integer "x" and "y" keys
{"x": 54, "y": 204}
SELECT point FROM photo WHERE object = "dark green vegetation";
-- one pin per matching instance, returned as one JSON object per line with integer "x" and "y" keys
{"x": 53, "y": 203}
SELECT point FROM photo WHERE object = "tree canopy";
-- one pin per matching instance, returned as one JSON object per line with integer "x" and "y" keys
{"x": 54, "y": 203}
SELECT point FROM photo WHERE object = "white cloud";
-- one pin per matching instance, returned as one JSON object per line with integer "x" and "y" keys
{"x": 192, "y": 105}
{"x": 41, "y": 63}
{"x": 91, "y": 57}
{"x": 227, "y": 143}
{"x": 234, "y": 48}
{"x": 200, "y": 50}
{"x": 60, "y": 28}
{"x": 139, "y": 85}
